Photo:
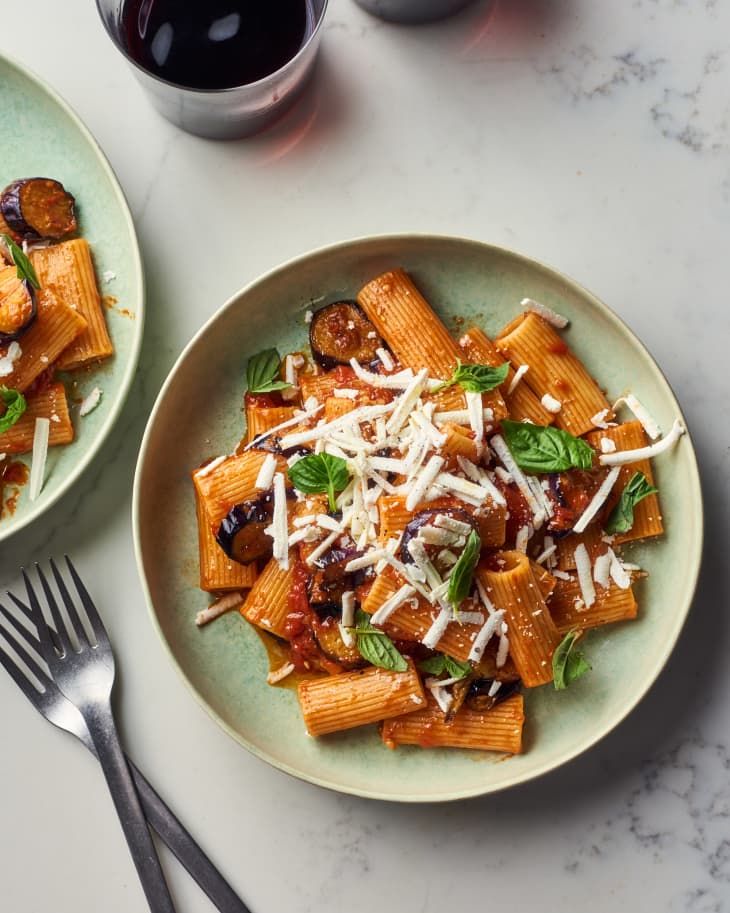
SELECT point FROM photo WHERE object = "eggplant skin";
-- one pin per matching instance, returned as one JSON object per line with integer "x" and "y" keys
{"x": 241, "y": 533}
{"x": 18, "y": 308}
{"x": 330, "y": 642}
{"x": 38, "y": 209}
{"x": 477, "y": 697}
{"x": 341, "y": 331}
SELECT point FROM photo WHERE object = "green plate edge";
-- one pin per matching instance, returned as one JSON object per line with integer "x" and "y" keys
{"x": 224, "y": 664}
{"x": 45, "y": 132}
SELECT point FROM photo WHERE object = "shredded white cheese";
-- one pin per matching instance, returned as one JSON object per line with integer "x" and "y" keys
{"x": 618, "y": 572}
{"x": 519, "y": 374}
{"x": 585, "y": 581}
{"x": 551, "y": 404}
{"x": 476, "y": 416}
{"x": 491, "y": 626}
{"x": 90, "y": 402}
{"x": 438, "y": 628}
{"x": 601, "y": 568}
{"x": 597, "y": 501}
{"x": 218, "y": 608}
{"x": 503, "y": 452}
{"x": 608, "y": 445}
{"x": 279, "y": 523}
{"x": 599, "y": 419}
{"x": 424, "y": 480}
{"x": 390, "y": 605}
{"x": 547, "y": 314}
{"x": 386, "y": 359}
{"x": 641, "y": 413}
{"x": 277, "y": 675}
{"x": 622, "y": 457}
{"x": 311, "y": 409}
{"x": 265, "y": 477}
{"x": 7, "y": 361}
{"x": 442, "y": 697}
{"x": 40, "y": 453}
{"x": 209, "y": 467}
{"x": 522, "y": 538}
{"x": 503, "y": 649}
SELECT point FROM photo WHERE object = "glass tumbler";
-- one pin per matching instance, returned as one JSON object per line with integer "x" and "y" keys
{"x": 223, "y": 113}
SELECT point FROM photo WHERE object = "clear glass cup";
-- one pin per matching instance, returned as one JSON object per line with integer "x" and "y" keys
{"x": 224, "y": 113}
{"x": 413, "y": 11}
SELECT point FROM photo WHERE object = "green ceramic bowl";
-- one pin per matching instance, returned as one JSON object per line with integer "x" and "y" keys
{"x": 198, "y": 415}
{"x": 43, "y": 137}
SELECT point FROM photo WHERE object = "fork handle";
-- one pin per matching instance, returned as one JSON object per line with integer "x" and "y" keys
{"x": 119, "y": 779}
{"x": 186, "y": 850}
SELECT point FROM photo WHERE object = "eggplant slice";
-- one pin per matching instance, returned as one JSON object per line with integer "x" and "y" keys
{"x": 241, "y": 534}
{"x": 18, "y": 305}
{"x": 329, "y": 639}
{"x": 341, "y": 331}
{"x": 38, "y": 209}
{"x": 478, "y": 697}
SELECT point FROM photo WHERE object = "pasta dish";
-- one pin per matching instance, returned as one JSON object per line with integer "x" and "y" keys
{"x": 427, "y": 526}
{"x": 52, "y": 326}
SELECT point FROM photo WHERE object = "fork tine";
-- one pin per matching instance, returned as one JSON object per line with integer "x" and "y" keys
{"x": 28, "y": 613}
{"x": 31, "y": 662}
{"x": 58, "y": 622}
{"x": 94, "y": 618}
{"x": 38, "y": 618}
{"x": 73, "y": 614}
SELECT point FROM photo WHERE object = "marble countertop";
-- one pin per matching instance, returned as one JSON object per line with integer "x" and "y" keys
{"x": 592, "y": 136}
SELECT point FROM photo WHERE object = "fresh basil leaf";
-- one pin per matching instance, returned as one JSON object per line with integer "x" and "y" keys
{"x": 621, "y": 518}
{"x": 568, "y": 664}
{"x": 375, "y": 646}
{"x": 456, "y": 669}
{"x": 15, "y": 403}
{"x": 463, "y": 572}
{"x": 23, "y": 266}
{"x": 478, "y": 378}
{"x": 262, "y": 370}
{"x": 539, "y": 448}
{"x": 436, "y": 665}
{"x": 320, "y": 472}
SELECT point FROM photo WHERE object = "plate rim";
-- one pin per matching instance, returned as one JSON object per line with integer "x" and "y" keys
{"x": 137, "y": 279}
{"x": 523, "y": 776}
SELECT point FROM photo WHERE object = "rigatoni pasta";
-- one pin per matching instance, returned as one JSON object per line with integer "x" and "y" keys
{"x": 51, "y": 320}
{"x": 432, "y": 527}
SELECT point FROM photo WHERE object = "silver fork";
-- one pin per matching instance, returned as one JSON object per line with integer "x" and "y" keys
{"x": 58, "y": 710}
{"x": 85, "y": 676}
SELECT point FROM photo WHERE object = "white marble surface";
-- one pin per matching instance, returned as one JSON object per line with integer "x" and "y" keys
{"x": 593, "y": 136}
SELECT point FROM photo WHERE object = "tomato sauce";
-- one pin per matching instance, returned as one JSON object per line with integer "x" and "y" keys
{"x": 263, "y": 400}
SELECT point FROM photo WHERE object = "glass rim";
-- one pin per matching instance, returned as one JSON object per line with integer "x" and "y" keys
{"x": 245, "y": 85}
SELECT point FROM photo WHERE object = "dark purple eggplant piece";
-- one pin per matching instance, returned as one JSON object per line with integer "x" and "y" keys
{"x": 333, "y": 646}
{"x": 329, "y": 580}
{"x": 426, "y": 518}
{"x": 18, "y": 306}
{"x": 241, "y": 534}
{"x": 272, "y": 444}
{"x": 478, "y": 697}
{"x": 38, "y": 209}
{"x": 341, "y": 331}
{"x": 335, "y": 559}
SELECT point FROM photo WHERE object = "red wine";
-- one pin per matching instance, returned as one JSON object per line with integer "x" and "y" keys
{"x": 215, "y": 44}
